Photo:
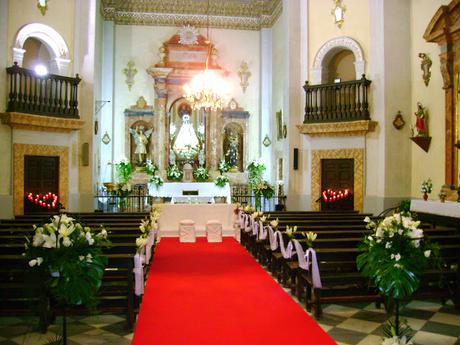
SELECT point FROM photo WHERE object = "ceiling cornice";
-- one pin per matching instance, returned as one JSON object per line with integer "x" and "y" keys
{"x": 236, "y": 14}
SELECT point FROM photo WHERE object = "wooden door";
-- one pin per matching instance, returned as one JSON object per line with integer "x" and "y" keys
{"x": 337, "y": 175}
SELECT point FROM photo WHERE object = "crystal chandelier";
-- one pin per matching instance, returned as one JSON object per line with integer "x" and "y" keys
{"x": 207, "y": 89}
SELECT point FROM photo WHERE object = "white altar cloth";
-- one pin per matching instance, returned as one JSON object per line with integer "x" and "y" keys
{"x": 171, "y": 215}
{"x": 207, "y": 191}
{"x": 448, "y": 208}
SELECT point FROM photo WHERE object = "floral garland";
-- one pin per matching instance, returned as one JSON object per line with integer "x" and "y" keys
{"x": 201, "y": 174}
{"x": 67, "y": 257}
{"x": 174, "y": 174}
{"x": 148, "y": 225}
{"x": 394, "y": 256}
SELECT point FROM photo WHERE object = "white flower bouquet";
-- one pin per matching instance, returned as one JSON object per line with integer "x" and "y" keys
{"x": 427, "y": 186}
{"x": 174, "y": 174}
{"x": 221, "y": 181}
{"x": 201, "y": 174}
{"x": 67, "y": 258}
{"x": 148, "y": 225}
{"x": 394, "y": 256}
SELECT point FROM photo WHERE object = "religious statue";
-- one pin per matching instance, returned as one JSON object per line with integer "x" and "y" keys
{"x": 186, "y": 144}
{"x": 420, "y": 123}
{"x": 232, "y": 151}
{"x": 141, "y": 139}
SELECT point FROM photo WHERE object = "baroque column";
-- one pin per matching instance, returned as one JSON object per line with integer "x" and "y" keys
{"x": 160, "y": 146}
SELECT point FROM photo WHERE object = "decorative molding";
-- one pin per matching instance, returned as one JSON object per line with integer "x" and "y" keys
{"x": 130, "y": 71}
{"x": 244, "y": 75}
{"x": 335, "y": 129}
{"x": 241, "y": 15}
{"x": 328, "y": 51}
{"x": 21, "y": 150}
{"x": 357, "y": 155}
{"x": 53, "y": 41}
{"x": 40, "y": 123}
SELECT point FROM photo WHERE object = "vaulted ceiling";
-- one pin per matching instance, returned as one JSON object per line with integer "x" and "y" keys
{"x": 233, "y": 14}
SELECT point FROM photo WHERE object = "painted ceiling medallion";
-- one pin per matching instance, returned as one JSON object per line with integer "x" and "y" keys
{"x": 188, "y": 35}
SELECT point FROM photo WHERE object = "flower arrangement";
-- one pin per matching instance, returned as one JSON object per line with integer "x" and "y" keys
{"x": 174, "y": 174}
{"x": 274, "y": 223}
{"x": 290, "y": 231}
{"x": 265, "y": 189}
{"x": 224, "y": 167}
{"x": 147, "y": 225}
{"x": 157, "y": 181}
{"x": 394, "y": 256}
{"x": 255, "y": 169}
{"x": 221, "y": 181}
{"x": 310, "y": 237}
{"x": 123, "y": 171}
{"x": 201, "y": 174}
{"x": 150, "y": 168}
{"x": 66, "y": 257}
{"x": 427, "y": 186}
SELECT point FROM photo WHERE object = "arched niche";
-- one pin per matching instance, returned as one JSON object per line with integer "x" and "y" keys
{"x": 329, "y": 51}
{"x": 232, "y": 146}
{"x": 146, "y": 129}
{"x": 51, "y": 39}
{"x": 175, "y": 120}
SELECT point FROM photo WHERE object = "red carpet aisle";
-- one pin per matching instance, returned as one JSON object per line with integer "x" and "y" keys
{"x": 217, "y": 294}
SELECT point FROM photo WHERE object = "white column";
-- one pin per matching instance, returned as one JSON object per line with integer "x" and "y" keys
{"x": 266, "y": 103}
{"x": 106, "y": 124}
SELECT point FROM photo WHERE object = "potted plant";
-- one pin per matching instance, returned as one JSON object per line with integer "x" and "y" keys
{"x": 394, "y": 257}
{"x": 66, "y": 258}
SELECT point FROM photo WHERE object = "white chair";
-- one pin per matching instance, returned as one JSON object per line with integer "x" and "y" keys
{"x": 187, "y": 231}
{"x": 214, "y": 231}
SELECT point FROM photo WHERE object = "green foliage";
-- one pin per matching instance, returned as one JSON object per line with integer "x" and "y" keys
{"x": 221, "y": 181}
{"x": 174, "y": 174}
{"x": 255, "y": 170}
{"x": 157, "y": 181}
{"x": 123, "y": 171}
{"x": 224, "y": 167}
{"x": 201, "y": 174}
{"x": 150, "y": 168}
{"x": 404, "y": 206}
{"x": 68, "y": 258}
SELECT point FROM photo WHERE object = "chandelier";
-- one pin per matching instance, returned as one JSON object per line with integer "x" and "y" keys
{"x": 207, "y": 89}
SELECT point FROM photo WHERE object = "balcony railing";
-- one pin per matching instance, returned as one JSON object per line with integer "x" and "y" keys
{"x": 337, "y": 102}
{"x": 51, "y": 95}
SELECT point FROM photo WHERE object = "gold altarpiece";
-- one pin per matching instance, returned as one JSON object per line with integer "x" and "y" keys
{"x": 444, "y": 29}
{"x": 178, "y": 64}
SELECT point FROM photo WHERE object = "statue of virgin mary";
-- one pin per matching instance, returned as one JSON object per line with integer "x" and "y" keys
{"x": 186, "y": 145}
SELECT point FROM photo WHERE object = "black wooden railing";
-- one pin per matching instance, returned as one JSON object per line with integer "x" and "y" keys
{"x": 337, "y": 102}
{"x": 51, "y": 95}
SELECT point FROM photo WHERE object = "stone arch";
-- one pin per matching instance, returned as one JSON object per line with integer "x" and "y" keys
{"x": 329, "y": 50}
{"x": 53, "y": 41}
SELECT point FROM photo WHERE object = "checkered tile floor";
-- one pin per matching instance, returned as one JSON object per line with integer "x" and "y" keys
{"x": 348, "y": 324}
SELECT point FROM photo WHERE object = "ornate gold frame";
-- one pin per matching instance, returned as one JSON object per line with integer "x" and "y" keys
{"x": 21, "y": 150}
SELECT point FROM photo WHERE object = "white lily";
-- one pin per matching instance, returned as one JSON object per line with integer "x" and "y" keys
{"x": 50, "y": 241}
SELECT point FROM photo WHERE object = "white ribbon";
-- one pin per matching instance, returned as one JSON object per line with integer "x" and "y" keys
{"x": 310, "y": 254}
{"x": 300, "y": 255}
{"x": 138, "y": 271}
{"x": 286, "y": 251}
{"x": 263, "y": 232}
{"x": 273, "y": 238}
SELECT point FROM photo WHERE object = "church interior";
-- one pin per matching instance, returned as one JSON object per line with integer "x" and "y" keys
{"x": 291, "y": 132}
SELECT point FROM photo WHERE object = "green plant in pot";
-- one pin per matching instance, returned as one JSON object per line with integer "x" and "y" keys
{"x": 394, "y": 257}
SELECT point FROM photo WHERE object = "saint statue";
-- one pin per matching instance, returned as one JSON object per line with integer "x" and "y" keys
{"x": 420, "y": 123}
{"x": 141, "y": 139}
{"x": 232, "y": 151}
{"x": 186, "y": 145}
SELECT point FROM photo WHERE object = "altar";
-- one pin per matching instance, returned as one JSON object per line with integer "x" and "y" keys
{"x": 171, "y": 215}
{"x": 191, "y": 192}
{"x": 447, "y": 213}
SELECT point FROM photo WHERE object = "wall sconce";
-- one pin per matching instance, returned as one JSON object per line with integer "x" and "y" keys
{"x": 106, "y": 138}
{"x": 42, "y": 6}
{"x": 338, "y": 12}
{"x": 244, "y": 75}
{"x": 130, "y": 71}
{"x": 425, "y": 65}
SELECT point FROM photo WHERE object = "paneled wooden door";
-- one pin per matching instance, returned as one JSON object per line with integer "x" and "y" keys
{"x": 41, "y": 176}
{"x": 337, "y": 175}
